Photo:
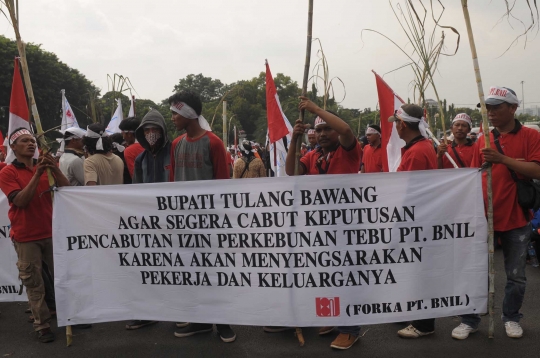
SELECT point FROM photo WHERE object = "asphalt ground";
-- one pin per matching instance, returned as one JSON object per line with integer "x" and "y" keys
{"x": 17, "y": 338}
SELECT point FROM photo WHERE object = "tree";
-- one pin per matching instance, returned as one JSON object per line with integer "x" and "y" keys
{"x": 208, "y": 88}
{"x": 49, "y": 75}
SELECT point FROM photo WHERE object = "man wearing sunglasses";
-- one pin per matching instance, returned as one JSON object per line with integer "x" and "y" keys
{"x": 514, "y": 152}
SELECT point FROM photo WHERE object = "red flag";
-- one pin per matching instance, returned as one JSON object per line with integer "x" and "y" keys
{"x": 18, "y": 107}
{"x": 391, "y": 144}
{"x": 277, "y": 128}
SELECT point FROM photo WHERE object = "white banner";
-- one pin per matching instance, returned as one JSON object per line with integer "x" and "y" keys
{"x": 11, "y": 288}
{"x": 298, "y": 251}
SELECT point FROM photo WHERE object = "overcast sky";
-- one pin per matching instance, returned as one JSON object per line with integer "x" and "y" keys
{"x": 155, "y": 43}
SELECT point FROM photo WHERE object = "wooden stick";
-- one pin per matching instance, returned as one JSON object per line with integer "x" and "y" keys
{"x": 485, "y": 124}
{"x": 305, "y": 81}
{"x": 31, "y": 99}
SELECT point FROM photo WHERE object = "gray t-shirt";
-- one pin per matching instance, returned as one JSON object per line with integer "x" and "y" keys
{"x": 202, "y": 158}
{"x": 72, "y": 166}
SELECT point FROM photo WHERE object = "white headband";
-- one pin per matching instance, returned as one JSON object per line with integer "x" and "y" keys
{"x": 371, "y": 130}
{"x": 422, "y": 125}
{"x": 463, "y": 117}
{"x": 242, "y": 148}
{"x": 319, "y": 121}
{"x": 92, "y": 134}
{"x": 119, "y": 147}
{"x": 187, "y": 112}
{"x": 17, "y": 134}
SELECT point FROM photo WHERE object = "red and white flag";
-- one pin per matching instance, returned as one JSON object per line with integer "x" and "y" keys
{"x": 18, "y": 109}
{"x": 279, "y": 128}
{"x": 391, "y": 144}
{"x": 68, "y": 117}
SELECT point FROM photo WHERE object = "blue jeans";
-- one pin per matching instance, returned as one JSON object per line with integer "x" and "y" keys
{"x": 514, "y": 244}
{"x": 352, "y": 330}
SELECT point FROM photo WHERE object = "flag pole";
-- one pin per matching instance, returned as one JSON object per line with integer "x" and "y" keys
{"x": 485, "y": 124}
{"x": 225, "y": 134}
{"x": 304, "y": 84}
{"x": 13, "y": 10}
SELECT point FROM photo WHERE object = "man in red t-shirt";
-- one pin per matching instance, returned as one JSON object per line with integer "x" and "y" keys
{"x": 521, "y": 148}
{"x": 418, "y": 154}
{"x": 128, "y": 127}
{"x": 25, "y": 184}
{"x": 338, "y": 153}
{"x": 372, "y": 156}
{"x": 462, "y": 148}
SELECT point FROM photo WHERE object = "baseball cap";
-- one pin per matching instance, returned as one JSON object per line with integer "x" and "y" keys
{"x": 498, "y": 95}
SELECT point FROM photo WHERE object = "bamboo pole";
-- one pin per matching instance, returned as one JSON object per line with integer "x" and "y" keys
{"x": 225, "y": 134}
{"x": 485, "y": 123}
{"x": 305, "y": 82}
{"x": 31, "y": 99}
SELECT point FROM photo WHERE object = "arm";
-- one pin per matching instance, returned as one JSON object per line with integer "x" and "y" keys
{"x": 23, "y": 197}
{"x": 346, "y": 136}
{"x": 218, "y": 155}
{"x": 90, "y": 174}
{"x": 441, "y": 149}
{"x": 298, "y": 131}
{"x": 262, "y": 171}
{"x": 528, "y": 169}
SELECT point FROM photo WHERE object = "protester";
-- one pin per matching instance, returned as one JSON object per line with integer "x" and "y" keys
{"x": 339, "y": 153}
{"x": 119, "y": 147}
{"x": 128, "y": 127}
{"x": 154, "y": 164}
{"x": 515, "y": 150}
{"x": 418, "y": 154}
{"x": 102, "y": 167}
{"x": 473, "y": 136}
{"x": 372, "y": 155}
{"x": 248, "y": 166}
{"x": 72, "y": 161}
{"x": 462, "y": 148}
{"x": 312, "y": 139}
{"x": 26, "y": 185}
{"x": 196, "y": 155}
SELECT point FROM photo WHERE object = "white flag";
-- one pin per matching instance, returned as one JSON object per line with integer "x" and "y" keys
{"x": 116, "y": 119}
{"x": 132, "y": 108}
{"x": 68, "y": 117}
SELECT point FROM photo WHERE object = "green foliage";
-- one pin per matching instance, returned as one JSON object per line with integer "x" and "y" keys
{"x": 208, "y": 88}
{"x": 49, "y": 75}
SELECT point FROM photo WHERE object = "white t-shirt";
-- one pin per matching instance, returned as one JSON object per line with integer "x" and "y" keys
{"x": 72, "y": 166}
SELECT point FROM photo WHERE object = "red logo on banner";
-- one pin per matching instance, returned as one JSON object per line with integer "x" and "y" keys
{"x": 327, "y": 307}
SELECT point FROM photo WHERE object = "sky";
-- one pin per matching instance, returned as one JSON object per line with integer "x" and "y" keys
{"x": 156, "y": 43}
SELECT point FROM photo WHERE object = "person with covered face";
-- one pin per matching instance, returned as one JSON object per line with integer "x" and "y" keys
{"x": 338, "y": 153}
{"x": 461, "y": 149}
{"x": 153, "y": 165}
{"x": 26, "y": 185}
{"x": 372, "y": 153}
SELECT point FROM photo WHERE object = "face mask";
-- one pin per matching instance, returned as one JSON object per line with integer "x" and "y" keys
{"x": 152, "y": 137}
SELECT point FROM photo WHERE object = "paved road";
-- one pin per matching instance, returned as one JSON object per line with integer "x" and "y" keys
{"x": 112, "y": 340}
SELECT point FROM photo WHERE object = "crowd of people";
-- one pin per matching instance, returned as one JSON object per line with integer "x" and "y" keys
{"x": 145, "y": 154}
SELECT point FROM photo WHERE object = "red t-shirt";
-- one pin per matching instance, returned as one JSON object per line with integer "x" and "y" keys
{"x": 2, "y": 165}
{"x": 465, "y": 152}
{"x": 372, "y": 159}
{"x": 521, "y": 144}
{"x": 130, "y": 154}
{"x": 340, "y": 161}
{"x": 33, "y": 222}
{"x": 419, "y": 154}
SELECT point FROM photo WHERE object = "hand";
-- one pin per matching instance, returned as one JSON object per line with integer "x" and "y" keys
{"x": 492, "y": 156}
{"x": 441, "y": 149}
{"x": 45, "y": 161}
{"x": 299, "y": 128}
{"x": 305, "y": 103}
